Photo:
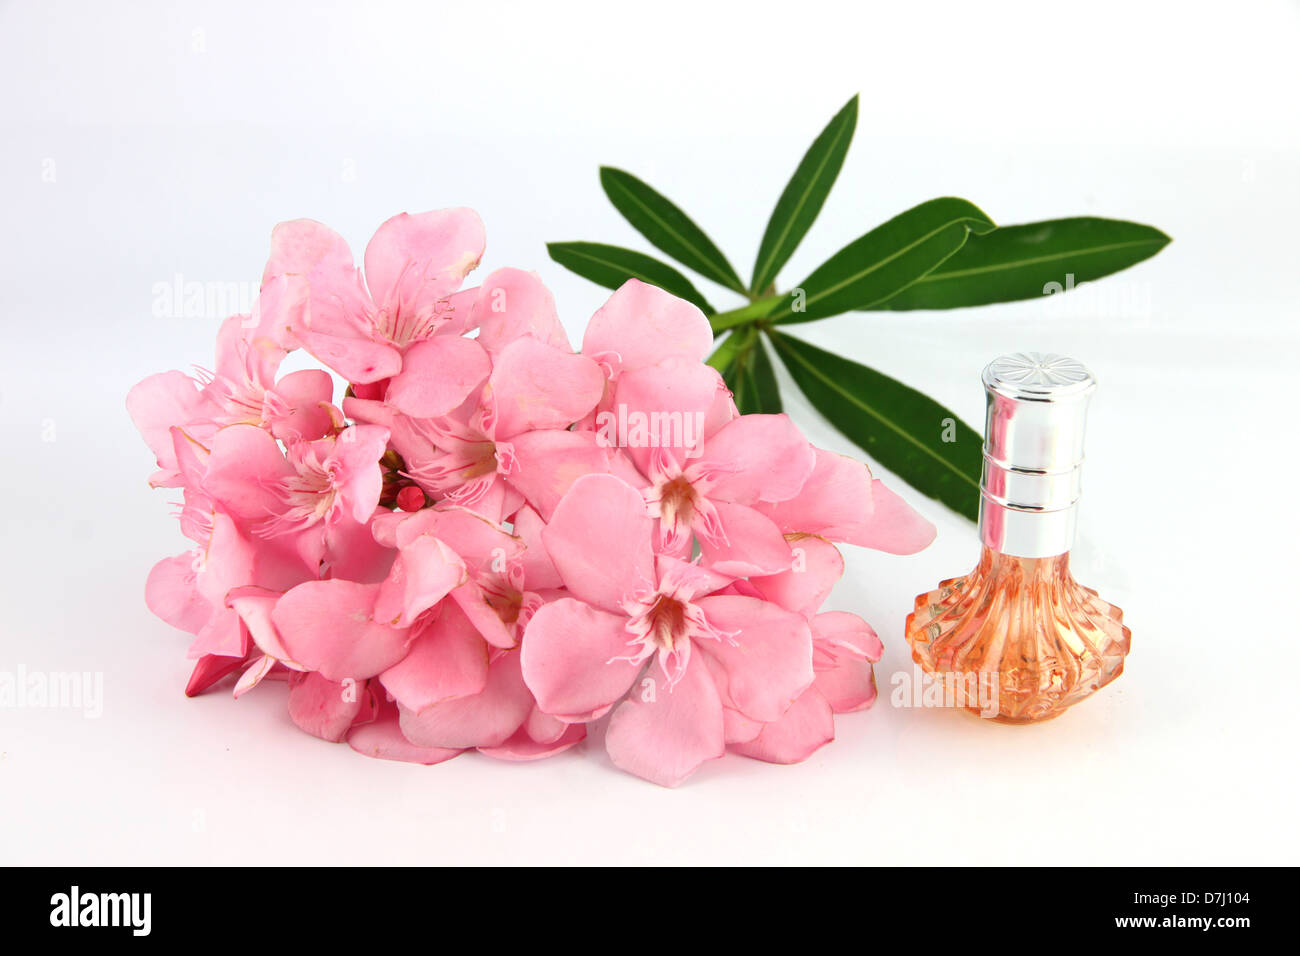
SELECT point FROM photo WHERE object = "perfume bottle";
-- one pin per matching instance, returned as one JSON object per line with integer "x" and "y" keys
{"x": 1018, "y": 639}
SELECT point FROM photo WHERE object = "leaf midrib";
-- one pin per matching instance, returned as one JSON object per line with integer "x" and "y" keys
{"x": 583, "y": 254}
{"x": 853, "y": 399}
{"x": 780, "y": 241}
{"x": 879, "y": 264}
{"x": 1002, "y": 267}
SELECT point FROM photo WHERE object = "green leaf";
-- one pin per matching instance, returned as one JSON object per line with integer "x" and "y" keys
{"x": 1023, "y": 262}
{"x": 667, "y": 227}
{"x": 748, "y": 372}
{"x": 804, "y": 196}
{"x": 766, "y": 391}
{"x": 611, "y": 266}
{"x": 896, "y": 425}
{"x": 886, "y": 260}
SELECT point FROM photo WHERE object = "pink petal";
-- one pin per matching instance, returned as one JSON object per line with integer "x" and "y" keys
{"x": 665, "y": 734}
{"x": 414, "y": 260}
{"x": 752, "y": 545}
{"x": 487, "y": 719}
{"x": 155, "y": 405}
{"x": 355, "y": 357}
{"x": 599, "y": 540}
{"x": 535, "y": 385}
{"x": 210, "y": 669}
{"x": 243, "y": 470}
{"x": 848, "y": 686}
{"x": 255, "y": 605}
{"x": 323, "y": 708}
{"x": 660, "y": 411}
{"x": 816, "y": 566}
{"x": 739, "y": 728}
{"x": 805, "y": 727}
{"x": 230, "y": 560}
{"x": 305, "y": 395}
{"x": 473, "y": 602}
{"x": 839, "y": 502}
{"x": 522, "y": 747}
{"x": 283, "y": 304}
{"x": 757, "y": 458}
{"x": 446, "y": 661}
{"x": 328, "y": 626}
{"x": 847, "y": 634}
{"x": 768, "y": 661}
{"x": 894, "y": 526}
{"x": 539, "y": 572}
{"x": 571, "y": 659}
{"x": 239, "y": 357}
{"x": 424, "y": 573}
{"x": 512, "y": 303}
{"x": 437, "y": 375}
{"x": 484, "y": 545}
{"x": 687, "y": 579}
{"x": 352, "y": 552}
{"x": 542, "y": 727}
{"x": 258, "y": 670}
{"x": 548, "y": 462}
{"x": 223, "y": 636}
{"x": 382, "y": 738}
{"x": 358, "y": 478}
{"x": 171, "y": 593}
{"x": 642, "y": 325}
{"x": 304, "y": 247}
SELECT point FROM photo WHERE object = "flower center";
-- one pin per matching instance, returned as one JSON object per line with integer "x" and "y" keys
{"x": 482, "y": 460}
{"x": 666, "y": 622}
{"x": 677, "y": 503}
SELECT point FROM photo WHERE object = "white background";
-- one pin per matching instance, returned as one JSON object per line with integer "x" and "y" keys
{"x": 177, "y": 134}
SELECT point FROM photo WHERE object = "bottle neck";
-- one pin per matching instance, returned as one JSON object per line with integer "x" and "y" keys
{"x": 1026, "y": 533}
{"x": 1028, "y": 513}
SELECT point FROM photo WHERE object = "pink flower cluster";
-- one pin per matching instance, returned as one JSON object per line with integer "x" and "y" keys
{"x": 492, "y": 541}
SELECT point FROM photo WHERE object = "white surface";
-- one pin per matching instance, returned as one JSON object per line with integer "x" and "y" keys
{"x": 180, "y": 133}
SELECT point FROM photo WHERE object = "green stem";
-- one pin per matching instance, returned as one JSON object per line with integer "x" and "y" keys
{"x": 745, "y": 314}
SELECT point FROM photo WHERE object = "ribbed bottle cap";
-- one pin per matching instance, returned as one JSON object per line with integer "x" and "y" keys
{"x": 1037, "y": 409}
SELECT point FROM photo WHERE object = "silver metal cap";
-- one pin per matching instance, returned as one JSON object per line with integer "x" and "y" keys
{"x": 1033, "y": 452}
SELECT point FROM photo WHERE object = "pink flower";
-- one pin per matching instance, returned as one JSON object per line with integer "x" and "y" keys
{"x": 507, "y": 442}
{"x": 242, "y": 390}
{"x": 361, "y": 327}
{"x": 496, "y": 540}
{"x": 655, "y": 626}
{"x": 844, "y": 648}
{"x": 842, "y": 502}
{"x": 302, "y": 493}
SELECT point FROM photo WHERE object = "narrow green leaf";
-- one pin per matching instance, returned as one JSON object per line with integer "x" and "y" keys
{"x": 766, "y": 390}
{"x": 1030, "y": 260}
{"x": 667, "y": 227}
{"x": 611, "y": 266}
{"x": 896, "y": 425}
{"x": 883, "y": 262}
{"x": 804, "y": 196}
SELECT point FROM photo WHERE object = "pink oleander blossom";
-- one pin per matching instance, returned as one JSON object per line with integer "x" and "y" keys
{"x": 484, "y": 540}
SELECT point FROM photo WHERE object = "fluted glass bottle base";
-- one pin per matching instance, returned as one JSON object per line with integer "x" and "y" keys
{"x": 1018, "y": 639}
